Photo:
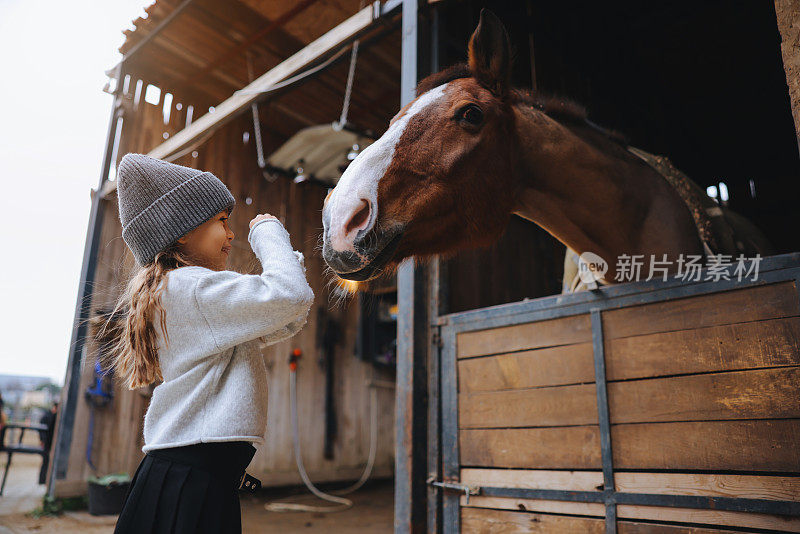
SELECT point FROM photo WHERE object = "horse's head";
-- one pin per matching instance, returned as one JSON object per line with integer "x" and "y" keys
{"x": 440, "y": 178}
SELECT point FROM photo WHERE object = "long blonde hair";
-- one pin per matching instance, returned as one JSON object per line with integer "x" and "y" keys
{"x": 128, "y": 332}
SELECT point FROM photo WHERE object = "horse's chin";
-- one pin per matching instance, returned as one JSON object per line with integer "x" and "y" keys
{"x": 377, "y": 265}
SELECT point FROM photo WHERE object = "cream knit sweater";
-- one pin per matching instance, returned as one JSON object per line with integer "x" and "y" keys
{"x": 215, "y": 380}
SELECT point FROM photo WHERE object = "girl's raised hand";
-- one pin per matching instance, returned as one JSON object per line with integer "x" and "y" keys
{"x": 261, "y": 217}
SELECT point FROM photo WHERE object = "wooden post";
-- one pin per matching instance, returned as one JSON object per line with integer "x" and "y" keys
{"x": 413, "y": 330}
{"x": 788, "y": 15}
{"x": 437, "y": 305}
{"x": 70, "y": 395}
{"x": 411, "y": 315}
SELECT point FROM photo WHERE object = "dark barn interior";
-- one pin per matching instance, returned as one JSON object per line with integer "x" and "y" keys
{"x": 701, "y": 83}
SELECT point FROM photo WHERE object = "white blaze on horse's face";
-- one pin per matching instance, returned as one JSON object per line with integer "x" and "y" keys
{"x": 353, "y": 204}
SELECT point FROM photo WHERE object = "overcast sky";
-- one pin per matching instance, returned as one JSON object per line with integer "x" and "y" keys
{"x": 53, "y": 124}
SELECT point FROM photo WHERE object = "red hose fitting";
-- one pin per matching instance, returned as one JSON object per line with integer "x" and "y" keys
{"x": 293, "y": 357}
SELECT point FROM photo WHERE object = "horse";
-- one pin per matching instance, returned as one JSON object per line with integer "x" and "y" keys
{"x": 469, "y": 151}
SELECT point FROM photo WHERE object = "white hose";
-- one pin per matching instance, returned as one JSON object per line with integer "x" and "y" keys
{"x": 341, "y": 503}
{"x": 295, "y": 78}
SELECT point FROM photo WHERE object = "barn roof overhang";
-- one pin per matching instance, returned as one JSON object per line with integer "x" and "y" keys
{"x": 194, "y": 50}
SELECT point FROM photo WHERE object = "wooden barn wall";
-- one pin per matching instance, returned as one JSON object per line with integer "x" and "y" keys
{"x": 788, "y": 15}
{"x": 506, "y": 271}
{"x": 118, "y": 429}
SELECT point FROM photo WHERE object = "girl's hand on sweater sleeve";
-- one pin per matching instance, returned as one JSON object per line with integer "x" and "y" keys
{"x": 261, "y": 217}
{"x": 241, "y": 307}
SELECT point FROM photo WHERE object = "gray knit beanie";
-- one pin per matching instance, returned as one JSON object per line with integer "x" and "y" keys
{"x": 160, "y": 201}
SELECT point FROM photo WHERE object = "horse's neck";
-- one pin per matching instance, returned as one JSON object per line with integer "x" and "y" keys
{"x": 595, "y": 198}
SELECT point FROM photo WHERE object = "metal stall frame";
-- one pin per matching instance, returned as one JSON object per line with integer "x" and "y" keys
{"x": 773, "y": 269}
{"x": 421, "y": 297}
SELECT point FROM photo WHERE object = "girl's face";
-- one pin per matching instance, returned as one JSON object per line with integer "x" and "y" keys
{"x": 209, "y": 244}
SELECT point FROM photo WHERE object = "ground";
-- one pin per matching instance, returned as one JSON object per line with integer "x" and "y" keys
{"x": 371, "y": 513}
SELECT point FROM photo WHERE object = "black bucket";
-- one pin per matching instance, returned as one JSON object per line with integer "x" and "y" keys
{"x": 107, "y": 498}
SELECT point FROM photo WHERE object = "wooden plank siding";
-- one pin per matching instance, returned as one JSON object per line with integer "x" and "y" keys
{"x": 488, "y": 521}
{"x": 758, "y": 303}
{"x": 767, "y": 445}
{"x": 551, "y": 366}
{"x": 752, "y": 394}
{"x": 754, "y": 345}
{"x": 564, "y": 331}
{"x": 496, "y": 520}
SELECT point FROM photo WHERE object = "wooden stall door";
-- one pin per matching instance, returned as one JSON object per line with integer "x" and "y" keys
{"x": 671, "y": 408}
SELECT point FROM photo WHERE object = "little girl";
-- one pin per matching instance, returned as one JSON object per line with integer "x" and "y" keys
{"x": 191, "y": 324}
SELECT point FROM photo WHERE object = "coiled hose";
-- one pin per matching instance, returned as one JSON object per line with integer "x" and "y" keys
{"x": 341, "y": 503}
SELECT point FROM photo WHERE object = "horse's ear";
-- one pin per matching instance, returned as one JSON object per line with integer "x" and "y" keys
{"x": 490, "y": 54}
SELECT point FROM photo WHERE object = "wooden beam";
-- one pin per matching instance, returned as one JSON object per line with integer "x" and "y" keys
{"x": 776, "y": 488}
{"x": 533, "y": 479}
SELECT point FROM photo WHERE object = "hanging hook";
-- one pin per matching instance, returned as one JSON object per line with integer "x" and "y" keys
{"x": 256, "y": 120}
{"x": 340, "y": 124}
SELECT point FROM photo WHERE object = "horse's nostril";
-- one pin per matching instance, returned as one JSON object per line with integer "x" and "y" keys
{"x": 359, "y": 219}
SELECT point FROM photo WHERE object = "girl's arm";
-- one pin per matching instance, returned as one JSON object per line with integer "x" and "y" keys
{"x": 292, "y": 328}
{"x": 241, "y": 307}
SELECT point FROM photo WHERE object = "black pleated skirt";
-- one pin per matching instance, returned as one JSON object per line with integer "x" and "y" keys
{"x": 192, "y": 489}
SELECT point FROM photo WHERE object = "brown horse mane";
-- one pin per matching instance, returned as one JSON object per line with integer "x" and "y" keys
{"x": 567, "y": 112}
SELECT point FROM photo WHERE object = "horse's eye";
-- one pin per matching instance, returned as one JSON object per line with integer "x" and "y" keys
{"x": 471, "y": 114}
